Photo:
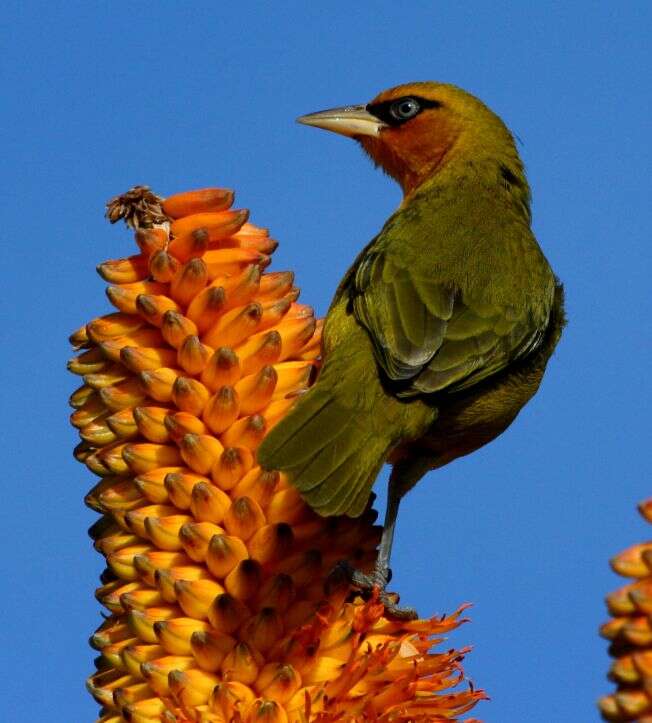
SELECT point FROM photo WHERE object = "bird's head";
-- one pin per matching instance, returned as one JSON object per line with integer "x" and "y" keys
{"x": 414, "y": 131}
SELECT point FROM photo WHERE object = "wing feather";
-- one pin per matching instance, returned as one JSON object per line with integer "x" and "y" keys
{"x": 428, "y": 332}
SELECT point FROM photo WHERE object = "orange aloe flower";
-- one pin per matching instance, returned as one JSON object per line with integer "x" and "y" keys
{"x": 226, "y": 603}
{"x": 630, "y": 632}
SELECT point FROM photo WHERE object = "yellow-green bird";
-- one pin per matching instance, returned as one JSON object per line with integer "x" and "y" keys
{"x": 441, "y": 330}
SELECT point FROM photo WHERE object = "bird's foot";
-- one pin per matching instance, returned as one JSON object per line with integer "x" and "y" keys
{"x": 375, "y": 583}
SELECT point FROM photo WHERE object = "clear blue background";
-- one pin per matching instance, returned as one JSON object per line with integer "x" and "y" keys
{"x": 176, "y": 95}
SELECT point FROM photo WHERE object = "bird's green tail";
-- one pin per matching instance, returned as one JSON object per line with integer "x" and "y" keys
{"x": 332, "y": 445}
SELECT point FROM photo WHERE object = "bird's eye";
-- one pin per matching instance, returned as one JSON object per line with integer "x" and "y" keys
{"x": 405, "y": 108}
{"x": 396, "y": 112}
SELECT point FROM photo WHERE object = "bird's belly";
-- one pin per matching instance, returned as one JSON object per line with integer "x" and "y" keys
{"x": 469, "y": 420}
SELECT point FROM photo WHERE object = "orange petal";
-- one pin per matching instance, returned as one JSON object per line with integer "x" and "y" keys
{"x": 218, "y": 224}
{"x": 163, "y": 266}
{"x": 192, "y": 245}
{"x": 188, "y": 280}
{"x": 200, "y": 451}
{"x": 222, "y": 369}
{"x": 209, "y": 503}
{"x": 124, "y": 271}
{"x": 189, "y": 395}
{"x": 221, "y": 410}
{"x": 201, "y": 200}
{"x": 154, "y": 307}
{"x": 150, "y": 240}
{"x": 207, "y": 307}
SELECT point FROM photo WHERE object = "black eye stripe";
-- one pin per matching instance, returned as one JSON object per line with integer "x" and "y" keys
{"x": 383, "y": 111}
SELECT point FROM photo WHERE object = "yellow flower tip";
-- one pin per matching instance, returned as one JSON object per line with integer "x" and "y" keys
{"x": 224, "y": 596}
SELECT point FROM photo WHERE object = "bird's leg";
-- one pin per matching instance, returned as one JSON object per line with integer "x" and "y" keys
{"x": 404, "y": 475}
{"x": 382, "y": 573}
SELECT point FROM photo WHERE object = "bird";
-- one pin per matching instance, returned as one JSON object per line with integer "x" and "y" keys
{"x": 440, "y": 331}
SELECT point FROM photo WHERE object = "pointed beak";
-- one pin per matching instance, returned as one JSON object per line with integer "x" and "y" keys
{"x": 350, "y": 120}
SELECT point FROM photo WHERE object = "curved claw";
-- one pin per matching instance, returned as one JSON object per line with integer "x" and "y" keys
{"x": 393, "y": 610}
{"x": 376, "y": 583}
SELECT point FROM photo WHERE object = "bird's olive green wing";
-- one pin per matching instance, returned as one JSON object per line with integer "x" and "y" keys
{"x": 427, "y": 334}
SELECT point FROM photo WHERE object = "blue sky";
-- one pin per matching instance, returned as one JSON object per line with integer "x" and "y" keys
{"x": 103, "y": 96}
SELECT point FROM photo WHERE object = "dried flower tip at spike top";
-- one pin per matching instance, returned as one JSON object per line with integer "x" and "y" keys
{"x": 223, "y": 603}
{"x": 138, "y": 208}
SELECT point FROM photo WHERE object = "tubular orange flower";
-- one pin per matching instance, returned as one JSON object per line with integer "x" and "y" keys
{"x": 630, "y": 632}
{"x": 225, "y": 599}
